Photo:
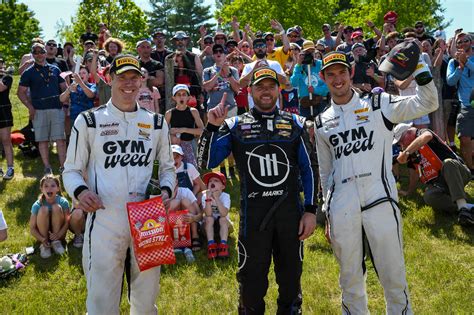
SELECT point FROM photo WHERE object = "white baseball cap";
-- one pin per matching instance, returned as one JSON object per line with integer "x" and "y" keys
{"x": 179, "y": 87}
{"x": 399, "y": 130}
{"x": 177, "y": 149}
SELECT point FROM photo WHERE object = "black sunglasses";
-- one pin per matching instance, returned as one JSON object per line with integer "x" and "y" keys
{"x": 219, "y": 51}
{"x": 38, "y": 52}
{"x": 52, "y": 44}
{"x": 459, "y": 42}
{"x": 220, "y": 38}
{"x": 207, "y": 42}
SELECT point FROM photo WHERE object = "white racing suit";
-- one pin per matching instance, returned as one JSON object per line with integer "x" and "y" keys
{"x": 354, "y": 148}
{"x": 116, "y": 151}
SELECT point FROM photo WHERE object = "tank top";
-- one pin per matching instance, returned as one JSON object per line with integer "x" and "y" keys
{"x": 183, "y": 119}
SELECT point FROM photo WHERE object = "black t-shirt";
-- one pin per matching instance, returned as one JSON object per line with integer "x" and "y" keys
{"x": 152, "y": 66}
{"x": 160, "y": 55}
{"x": 4, "y": 96}
{"x": 448, "y": 92}
{"x": 58, "y": 62}
{"x": 89, "y": 36}
{"x": 426, "y": 37}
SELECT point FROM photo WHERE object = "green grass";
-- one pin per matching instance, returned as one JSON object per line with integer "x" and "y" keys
{"x": 439, "y": 257}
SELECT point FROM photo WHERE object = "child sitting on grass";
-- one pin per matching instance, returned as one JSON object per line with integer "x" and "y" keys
{"x": 216, "y": 205}
{"x": 49, "y": 218}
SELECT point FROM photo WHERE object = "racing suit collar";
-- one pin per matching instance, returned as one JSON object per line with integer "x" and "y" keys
{"x": 118, "y": 113}
{"x": 348, "y": 106}
{"x": 263, "y": 115}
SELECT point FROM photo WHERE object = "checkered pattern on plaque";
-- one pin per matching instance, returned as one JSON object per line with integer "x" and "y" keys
{"x": 184, "y": 232}
{"x": 152, "y": 255}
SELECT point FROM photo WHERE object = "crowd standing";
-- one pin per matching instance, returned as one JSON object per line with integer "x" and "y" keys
{"x": 247, "y": 101}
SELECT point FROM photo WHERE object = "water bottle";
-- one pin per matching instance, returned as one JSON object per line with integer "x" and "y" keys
{"x": 188, "y": 253}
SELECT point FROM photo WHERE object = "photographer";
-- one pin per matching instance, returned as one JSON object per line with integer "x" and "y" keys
{"x": 6, "y": 120}
{"x": 366, "y": 76}
{"x": 313, "y": 92}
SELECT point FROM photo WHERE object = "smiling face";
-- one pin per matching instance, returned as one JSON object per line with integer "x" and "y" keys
{"x": 125, "y": 87}
{"x": 338, "y": 80}
{"x": 265, "y": 95}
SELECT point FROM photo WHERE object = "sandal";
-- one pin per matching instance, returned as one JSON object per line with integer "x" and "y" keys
{"x": 196, "y": 244}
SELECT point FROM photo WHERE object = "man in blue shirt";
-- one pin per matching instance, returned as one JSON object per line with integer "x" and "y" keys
{"x": 461, "y": 73}
{"x": 45, "y": 110}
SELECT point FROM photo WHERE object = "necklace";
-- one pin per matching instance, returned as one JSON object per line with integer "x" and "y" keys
{"x": 50, "y": 74}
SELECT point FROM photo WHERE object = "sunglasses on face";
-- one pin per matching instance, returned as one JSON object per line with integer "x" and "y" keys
{"x": 38, "y": 52}
{"x": 260, "y": 46}
{"x": 462, "y": 41}
{"x": 207, "y": 42}
{"x": 245, "y": 46}
{"x": 220, "y": 38}
{"x": 269, "y": 39}
{"x": 325, "y": 29}
{"x": 159, "y": 37}
{"x": 348, "y": 31}
{"x": 293, "y": 36}
{"x": 52, "y": 45}
{"x": 218, "y": 52}
{"x": 419, "y": 26}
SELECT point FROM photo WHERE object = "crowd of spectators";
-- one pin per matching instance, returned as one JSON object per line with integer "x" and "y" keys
{"x": 58, "y": 83}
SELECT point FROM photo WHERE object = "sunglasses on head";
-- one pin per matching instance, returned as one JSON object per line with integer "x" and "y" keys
{"x": 52, "y": 44}
{"x": 462, "y": 41}
{"x": 38, "y": 52}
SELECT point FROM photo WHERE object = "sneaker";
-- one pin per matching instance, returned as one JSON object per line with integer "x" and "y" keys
{"x": 466, "y": 216}
{"x": 78, "y": 241}
{"x": 223, "y": 250}
{"x": 212, "y": 251}
{"x": 48, "y": 171}
{"x": 45, "y": 252}
{"x": 9, "y": 174}
{"x": 57, "y": 247}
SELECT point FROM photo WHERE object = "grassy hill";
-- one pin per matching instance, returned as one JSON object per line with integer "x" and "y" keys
{"x": 439, "y": 256}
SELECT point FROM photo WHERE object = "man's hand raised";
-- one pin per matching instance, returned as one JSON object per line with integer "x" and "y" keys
{"x": 218, "y": 114}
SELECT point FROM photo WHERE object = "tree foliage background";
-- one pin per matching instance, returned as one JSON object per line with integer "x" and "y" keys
{"x": 311, "y": 14}
{"x": 18, "y": 27}
{"x": 179, "y": 15}
{"x": 124, "y": 19}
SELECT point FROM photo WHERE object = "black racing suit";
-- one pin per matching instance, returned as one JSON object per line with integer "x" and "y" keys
{"x": 272, "y": 152}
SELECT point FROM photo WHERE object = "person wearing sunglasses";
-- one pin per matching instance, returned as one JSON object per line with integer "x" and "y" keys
{"x": 421, "y": 33}
{"x": 45, "y": 109}
{"x": 51, "y": 50}
{"x": 279, "y": 54}
{"x": 461, "y": 74}
{"x": 294, "y": 36}
{"x": 328, "y": 40}
{"x": 161, "y": 51}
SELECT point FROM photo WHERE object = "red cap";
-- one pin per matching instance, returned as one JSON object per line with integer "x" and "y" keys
{"x": 17, "y": 137}
{"x": 390, "y": 17}
{"x": 217, "y": 175}
{"x": 356, "y": 34}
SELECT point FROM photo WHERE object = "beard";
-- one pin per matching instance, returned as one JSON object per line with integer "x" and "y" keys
{"x": 260, "y": 54}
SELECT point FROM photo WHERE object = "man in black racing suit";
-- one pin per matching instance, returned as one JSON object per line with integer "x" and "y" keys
{"x": 271, "y": 149}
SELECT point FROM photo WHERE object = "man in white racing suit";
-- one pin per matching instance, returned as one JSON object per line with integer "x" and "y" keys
{"x": 354, "y": 147}
{"x": 109, "y": 163}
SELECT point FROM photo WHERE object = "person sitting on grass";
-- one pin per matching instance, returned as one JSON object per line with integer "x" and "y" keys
{"x": 186, "y": 173}
{"x": 184, "y": 199}
{"x": 3, "y": 227}
{"x": 77, "y": 224}
{"x": 49, "y": 218}
{"x": 216, "y": 205}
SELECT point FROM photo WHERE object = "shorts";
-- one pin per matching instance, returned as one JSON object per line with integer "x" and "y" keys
{"x": 6, "y": 117}
{"x": 465, "y": 122}
{"x": 49, "y": 125}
